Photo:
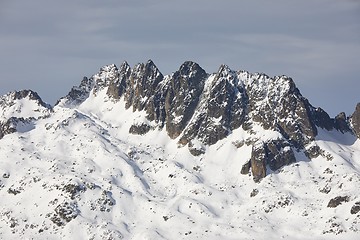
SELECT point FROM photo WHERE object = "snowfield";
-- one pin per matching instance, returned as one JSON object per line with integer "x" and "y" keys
{"x": 79, "y": 174}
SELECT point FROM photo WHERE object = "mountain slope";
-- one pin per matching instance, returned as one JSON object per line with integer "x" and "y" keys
{"x": 109, "y": 161}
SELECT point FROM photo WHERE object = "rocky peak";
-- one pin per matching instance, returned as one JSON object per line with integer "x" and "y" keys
{"x": 278, "y": 105}
{"x": 322, "y": 119}
{"x": 24, "y": 103}
{"x": 107, "y": 75}
{"x": 23, "y": 94}
{"x": 118, "y": 86}
{"x": 182, "y": 96}
{"x": 142, "y": 83}
{"x": 200, "y": 109}
{"x": 20, "y": 107}
{"x": 77, "y": 94}
{"x": 355, "y": 120}
{"x": 341, "y": 123}
{"x": 222, "y": 108}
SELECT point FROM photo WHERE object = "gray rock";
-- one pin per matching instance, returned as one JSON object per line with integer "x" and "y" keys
{"x": 322, "y": 119}
{"x": 117, "y": 87}
{"x": 355, "y": 120}
{"x": 141, "y": 85}
{"x": 279, "y": 154}
{"x": 182, "y": 96}
{"x": 191, "y": 106}
{"x": 333, "y": 203}
{"x": 222, "y": 109}
{"x": 78, "y": 94}
{"x": 246, "y": 168}
{"x": 258, "y": 161}
{"x": 139, "y": 129}
{"x": 355, "y": 208}
{"x": 314, "y": 152}
{"x": 275, "y": 154}
{"x": 341, "y": 123}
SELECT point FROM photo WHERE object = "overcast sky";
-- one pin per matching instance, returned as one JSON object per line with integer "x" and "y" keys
{"x": 49, "y": 45}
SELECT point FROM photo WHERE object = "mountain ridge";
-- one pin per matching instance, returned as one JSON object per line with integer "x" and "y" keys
{"x": 131, "y": 153}
{"x": 195, "y": 106}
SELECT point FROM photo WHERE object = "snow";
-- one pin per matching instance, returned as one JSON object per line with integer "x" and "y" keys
{"x": 25, "y": 108}
{"x": 122, "y": 186}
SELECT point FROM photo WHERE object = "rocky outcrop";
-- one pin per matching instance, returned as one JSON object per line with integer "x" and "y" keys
{"x": 222, "y": 109}
{"x": 355, "y": 120}
{"x": 182, "y": 96}
{"x": 9, "y": 126}
{"x": 11, "y": 98}
{"x": 355, "y": 208}
{"x": 141, "y": 85}
{"x": 322, "y": 119}
{"x": 278, "y": 105}
{"x": 18, "y": 109}
{"x": 199, "y": 109}
{"x": 334, "y": 202}
{"x": 258, "y": 161}
{"x": 341, "y": 123}
{"x": 275, "y": 154}
{"x": 140, "y": 129}
{"x": 118, "y": 86}
{"x": 77, "y": 95}
{"x": 279, "y": 154}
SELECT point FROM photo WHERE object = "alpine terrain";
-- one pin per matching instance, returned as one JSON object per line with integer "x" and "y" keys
{"x": 131, "y": 153}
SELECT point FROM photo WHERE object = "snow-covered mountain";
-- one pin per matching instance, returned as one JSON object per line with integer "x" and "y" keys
{"x": 133, "y": 154}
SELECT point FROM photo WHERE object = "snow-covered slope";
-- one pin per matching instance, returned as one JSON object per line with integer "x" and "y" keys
{"x": 22, "y": 104}
{"x": 19, "y": 109}
{"x": 79, "y": 174}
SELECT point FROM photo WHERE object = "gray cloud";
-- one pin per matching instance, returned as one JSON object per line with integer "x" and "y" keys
{"x": 49, "y": 45}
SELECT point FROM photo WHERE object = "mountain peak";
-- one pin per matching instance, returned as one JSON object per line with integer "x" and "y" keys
{"x": 194, "y": 106}
{"x": 24, "y": 103}
{"x": 130, "y": 152}
{"x": 189, "y": 68}
{"x": 21, "y": 108}
{"x": 355, "y": 120}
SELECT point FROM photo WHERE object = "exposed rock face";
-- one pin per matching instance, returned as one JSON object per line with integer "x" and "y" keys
{"x": 221, "y": 110}
{"x": 277, "y": 104}
{"x": 246, "y": 168}
{"x": 79, "y": 94}
{"x": 18, "y": 109}
{"x": 199, "y": 109}
{"x": 10, "y": 126}
{"x": 141, "y": 85}
{"x": 183, "y": 94}
{"x": 337, "y": 201}
{"x": 355, "y": 120}
{"x": 139, "y": 129}
{"x": 11, "y": 98}
{"x": 313, "y": 152}
{"x": 355, "y": 208}
{"x": 279, "y": 154}
{"x": 341, "y": 123}
{"x": 118, "y": 86}
{"x": 322, "y": 119}
{"x": 258, "y": 161}
{"x": 275, "y": 154}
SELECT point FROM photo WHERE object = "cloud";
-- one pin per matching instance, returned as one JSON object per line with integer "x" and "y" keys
{"x": 50, "y": 45}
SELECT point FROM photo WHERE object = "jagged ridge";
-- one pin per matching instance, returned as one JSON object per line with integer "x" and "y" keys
{"x": 199, "y": 109}
{"x": 19, "y": 109}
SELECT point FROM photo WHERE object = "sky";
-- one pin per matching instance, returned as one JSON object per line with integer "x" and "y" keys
{"x": 48, "y": 46}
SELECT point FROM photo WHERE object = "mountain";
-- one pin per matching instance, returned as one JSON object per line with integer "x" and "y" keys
{"x": 131, "y": 152}
{"x": 19, "y": 109}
